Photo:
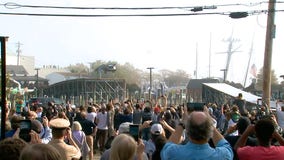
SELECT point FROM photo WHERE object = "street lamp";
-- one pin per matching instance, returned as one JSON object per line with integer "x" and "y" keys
{"x": 150, "y": 90}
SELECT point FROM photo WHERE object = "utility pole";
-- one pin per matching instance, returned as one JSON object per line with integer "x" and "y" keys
{"x": 196, "y": 61}
{"x": 230, "y": 52}
{"x": 3, "y": 85}
{"x": 150, "y": 90}
{"x": 91, "y": 68}
{"x": 250, "y": 54}
{"x": 270, "y": 34}
{"x": 37, "y": 84}
{"x": 18, "y": 52}
{"x": 225, "y": 73}
{"x": 210, "y": 55}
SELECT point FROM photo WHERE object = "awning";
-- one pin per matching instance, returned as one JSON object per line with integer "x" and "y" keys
{"x": 232, "y": 91}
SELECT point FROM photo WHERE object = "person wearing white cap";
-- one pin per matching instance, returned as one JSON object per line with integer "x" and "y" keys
{"x": 156, "y": 130}
{"x": 60, "y": 129}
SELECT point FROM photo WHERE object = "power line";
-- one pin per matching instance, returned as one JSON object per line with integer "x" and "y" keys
{"x": 196, "y": 9}
{"x": 12, "y": 5}
{"x": 137, "y": 15}
{"x": 108, "y": 15}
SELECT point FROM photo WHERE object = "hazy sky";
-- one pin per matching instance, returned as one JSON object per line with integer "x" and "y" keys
{"x": 159, "y": 42}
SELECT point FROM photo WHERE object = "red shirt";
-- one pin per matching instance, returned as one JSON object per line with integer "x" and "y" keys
{"x": 261, "y": 153}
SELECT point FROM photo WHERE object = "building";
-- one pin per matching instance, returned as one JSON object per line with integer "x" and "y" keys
{"x": 194, "y": 88}
{"x": 28, "y": 62}
{"x": 56, "y": 77}
{"x": 19, "y": 78}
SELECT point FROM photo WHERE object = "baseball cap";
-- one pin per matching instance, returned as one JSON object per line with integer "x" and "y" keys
{"x": 157, "y": 129}
{"x": 156, "y": 109}
{"x": 59, "y": 123}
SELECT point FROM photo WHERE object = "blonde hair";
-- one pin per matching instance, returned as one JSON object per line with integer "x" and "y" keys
{"x": 126, "y": 152}
{"x": 40, "y": 152}
{"x": 76, "y": 126}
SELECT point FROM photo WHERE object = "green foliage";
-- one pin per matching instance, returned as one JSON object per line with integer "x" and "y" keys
{"x": 78, "y": 68}
{"x": 259, "y": 82}
{"x": 8, "y": 86}
{"x": 177, "y": 78}
{"x": 125, "y": 71}
{"x": 134, "y": 77}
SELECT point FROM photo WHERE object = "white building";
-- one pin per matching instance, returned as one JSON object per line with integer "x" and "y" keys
{"x": 28, "y": 62}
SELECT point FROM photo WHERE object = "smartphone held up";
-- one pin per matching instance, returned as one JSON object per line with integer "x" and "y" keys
{"x": 25, "y": 129}
{"x": 134, "y": 131}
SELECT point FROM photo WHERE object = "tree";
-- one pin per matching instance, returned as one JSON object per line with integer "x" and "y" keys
{"x": 135, "y": 79}
{"x": 177, "y": 78}
{"x": 259, "y": 79}
{"x": 78, "y": 68}
{"x": 8, "y": 85}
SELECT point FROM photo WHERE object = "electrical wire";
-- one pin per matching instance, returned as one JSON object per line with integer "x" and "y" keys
{"x": 256, "y": 12}
{"x": 12, "y": 5}
{"x": 110, "y": 15}
{"x": 194, "y": 9}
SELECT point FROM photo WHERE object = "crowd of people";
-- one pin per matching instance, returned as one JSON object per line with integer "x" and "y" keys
{"x": 149, "y": 130}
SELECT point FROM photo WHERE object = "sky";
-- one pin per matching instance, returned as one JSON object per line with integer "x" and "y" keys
{"x": 162, "y": 42}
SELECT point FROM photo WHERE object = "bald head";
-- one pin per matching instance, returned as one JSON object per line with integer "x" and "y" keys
{"x": 198, "y": 117}
{"x": 199, "y": 126}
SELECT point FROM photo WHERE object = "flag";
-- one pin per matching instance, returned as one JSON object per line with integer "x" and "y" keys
{"x": 253, "y": 70}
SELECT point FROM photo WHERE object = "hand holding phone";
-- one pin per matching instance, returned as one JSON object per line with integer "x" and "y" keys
{"x": 25, "y": 129}
{"x": 134, "y": 131}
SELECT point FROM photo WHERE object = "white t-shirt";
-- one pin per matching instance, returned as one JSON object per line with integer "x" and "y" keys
{"x": 91, "y": 116}
{"x": 102, "y": 118}
{"x": 280, "y": 116}
{"x": 232, "y": 123}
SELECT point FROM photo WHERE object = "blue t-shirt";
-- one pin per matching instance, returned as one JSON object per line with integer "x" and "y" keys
{"x": 191, "y": 151}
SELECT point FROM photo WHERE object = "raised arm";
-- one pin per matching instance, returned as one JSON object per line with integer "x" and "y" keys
{"x": 279, "y": 138}
{"x": 176, "y": 136}
{"x": 243, "y": 139}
